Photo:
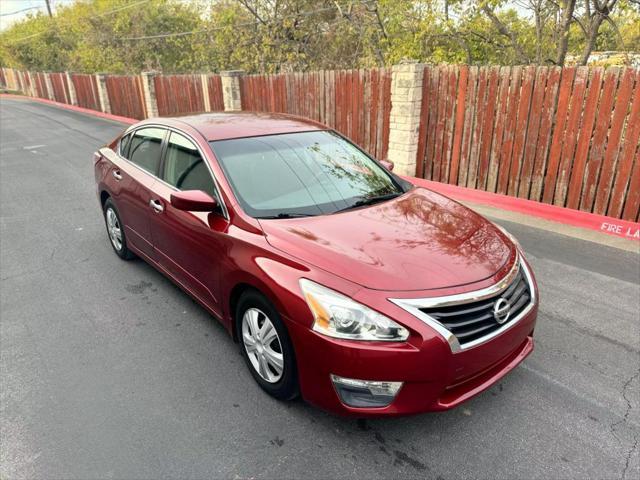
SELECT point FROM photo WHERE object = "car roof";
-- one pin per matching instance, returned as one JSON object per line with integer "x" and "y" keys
{"x": 227, "y": 125}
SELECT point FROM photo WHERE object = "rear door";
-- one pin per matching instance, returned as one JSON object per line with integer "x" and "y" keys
{"x": 190, "y": 245}
{"x": 135, "y": 179}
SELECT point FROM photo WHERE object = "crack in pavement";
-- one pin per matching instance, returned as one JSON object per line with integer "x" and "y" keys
{"x": 624, "y": 420}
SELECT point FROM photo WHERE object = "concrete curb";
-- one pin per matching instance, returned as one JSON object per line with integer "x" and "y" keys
{"x": 565, "y": 216}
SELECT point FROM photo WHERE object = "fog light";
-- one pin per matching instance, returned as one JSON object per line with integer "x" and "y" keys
{"x": 365, "y": 393}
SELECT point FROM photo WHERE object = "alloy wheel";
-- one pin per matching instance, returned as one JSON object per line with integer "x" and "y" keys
{"x": 262, "y": 345}
{"x": 113, "y": 227}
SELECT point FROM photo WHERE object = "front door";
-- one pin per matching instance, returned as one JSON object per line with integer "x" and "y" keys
{"x": 190, "y": 245}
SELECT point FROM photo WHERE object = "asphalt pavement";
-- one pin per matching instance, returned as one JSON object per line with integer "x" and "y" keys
{"x": 107, "y": 370}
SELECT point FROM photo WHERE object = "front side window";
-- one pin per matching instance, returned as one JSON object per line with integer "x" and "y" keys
{"x": 307, "y": 173}
{"x": 145, "y": 148}
{"x": 184, "y": 167}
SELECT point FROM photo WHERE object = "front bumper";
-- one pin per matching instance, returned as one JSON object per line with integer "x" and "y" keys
{"x": 434, "y": 378}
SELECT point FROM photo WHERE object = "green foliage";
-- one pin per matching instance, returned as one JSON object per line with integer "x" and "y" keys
{"x": 287, "y": 35}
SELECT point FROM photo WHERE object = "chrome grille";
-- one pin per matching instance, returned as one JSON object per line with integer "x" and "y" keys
{"x": 471, "y": 321}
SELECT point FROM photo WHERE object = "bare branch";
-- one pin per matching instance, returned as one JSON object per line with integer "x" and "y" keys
{"x": 502, "y": 28}
{"x": 253, "y": 11}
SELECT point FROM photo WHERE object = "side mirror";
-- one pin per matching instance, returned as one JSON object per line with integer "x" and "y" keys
{"x": 193, "y": 201}
{"x": 387, "y": 164}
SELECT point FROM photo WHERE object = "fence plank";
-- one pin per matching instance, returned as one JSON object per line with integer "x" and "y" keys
{"x": 584, "y": 138}
{"x": 626, "y": 158}
{"x": 449, "y": 123}
{"x": 631, "y": 210}
{"x": 599, "y": 140}
{"x": 570, "y": 135}
{"x": 564, "y": 95}
{"x": 537, "y": 97}
{"x": 467, "y": 132}
{"x": 521, "y": 130}
{"x": 424, "y": 118}
{"x": 480, "y": 110}
{"x": 463, "y": 81}
{"x": 509, "y": 131}
{"x": 488, "y": 129}
{"x": 386, "y": 111}
{"x": 216, "y": 101}
{"x": 613, "y": 141}
{"x": 501, "y": 113}
{"x": 434, "y": 86}
{"x": 440, "y": 122}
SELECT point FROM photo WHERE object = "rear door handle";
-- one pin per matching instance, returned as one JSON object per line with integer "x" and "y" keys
{"x": 156, "y": 205}
{"x": 116, "y": 175}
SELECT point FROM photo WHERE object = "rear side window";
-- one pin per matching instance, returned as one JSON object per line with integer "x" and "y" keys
{"x": 184, "y": 167}
{"x": 145, "y": 147}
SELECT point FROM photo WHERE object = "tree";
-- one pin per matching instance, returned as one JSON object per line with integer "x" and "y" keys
{"x": 270, "y": 36}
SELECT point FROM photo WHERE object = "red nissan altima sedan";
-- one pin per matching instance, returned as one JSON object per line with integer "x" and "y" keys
{"x": 341, "y": 282}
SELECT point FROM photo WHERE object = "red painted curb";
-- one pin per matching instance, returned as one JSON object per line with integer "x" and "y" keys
{"x": 74, "y": 108}
{"x": 565, "y": 216}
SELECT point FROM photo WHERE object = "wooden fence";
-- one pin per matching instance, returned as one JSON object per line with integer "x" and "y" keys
{"x": 564, "y": 136}
{"x": 86, "y": 87}
{"x": 357, "y": 103}
{"x": 125, "y": 96}
{"x": 178, "y": 94}
{"x": 567, "y": 137}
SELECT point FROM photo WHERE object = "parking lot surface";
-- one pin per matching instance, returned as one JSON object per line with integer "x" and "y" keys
{"x": 108, "y": 370}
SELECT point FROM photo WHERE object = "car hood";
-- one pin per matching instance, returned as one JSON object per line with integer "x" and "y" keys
{"x": 418, "y": 241}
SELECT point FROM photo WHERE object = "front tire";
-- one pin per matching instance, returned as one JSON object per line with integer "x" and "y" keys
{"x": 266, "y": 346}
{"x": 115, "y": 231}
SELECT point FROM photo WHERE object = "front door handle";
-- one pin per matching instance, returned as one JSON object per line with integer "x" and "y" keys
{"x": 156, "y": 205}
{"x": 116, "y": 175}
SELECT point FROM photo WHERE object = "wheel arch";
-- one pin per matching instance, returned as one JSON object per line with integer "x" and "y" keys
{"x": 104, "y": 196}
{"x": 248, "y": 282}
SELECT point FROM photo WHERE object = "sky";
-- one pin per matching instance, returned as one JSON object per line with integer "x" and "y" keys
{"x": 10, "y": 9}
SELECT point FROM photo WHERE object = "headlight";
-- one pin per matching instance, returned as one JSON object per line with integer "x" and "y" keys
{"x": 337, "y": 315}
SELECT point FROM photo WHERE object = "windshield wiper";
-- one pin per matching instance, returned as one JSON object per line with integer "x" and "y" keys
{"x": 285, "y": 215}
{"x": 370, "y": 201}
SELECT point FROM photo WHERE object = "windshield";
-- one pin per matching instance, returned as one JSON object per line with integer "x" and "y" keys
{"x": 299, "y": 174}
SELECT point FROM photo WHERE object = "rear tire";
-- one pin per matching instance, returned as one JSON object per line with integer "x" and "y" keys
{"x": 115, "y": 231}
{"x": 266, "y": 346}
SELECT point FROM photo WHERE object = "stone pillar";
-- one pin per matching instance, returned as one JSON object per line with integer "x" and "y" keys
{"x": 204, "y": 78}
{"x": 231, "y": 89}
{"x": 149, "y": 92}
{"x": 103, "y": 95}
{"x": 73, "y": 99}
{"x": 404, "y": 121}
{"x": 47, "y": 82}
